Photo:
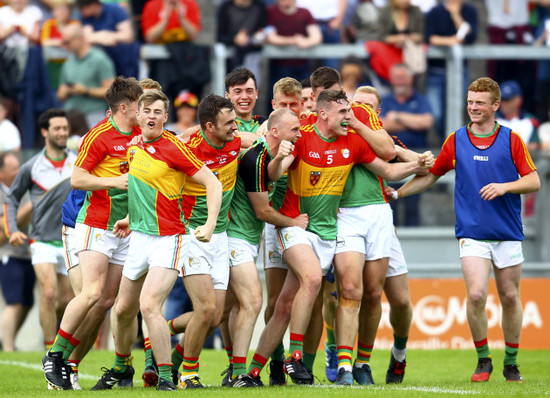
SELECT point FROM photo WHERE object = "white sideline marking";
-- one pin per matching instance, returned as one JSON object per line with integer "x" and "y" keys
{"x": 439, "y": 390}
{"x": 33, "y": 366}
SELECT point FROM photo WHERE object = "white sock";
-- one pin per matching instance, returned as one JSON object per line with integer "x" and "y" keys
{"x": 399, "y": 355}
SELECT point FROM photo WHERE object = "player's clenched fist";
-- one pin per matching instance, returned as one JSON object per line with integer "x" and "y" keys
{"x": 285, "y": 148}
{"x": 426, "y": 160}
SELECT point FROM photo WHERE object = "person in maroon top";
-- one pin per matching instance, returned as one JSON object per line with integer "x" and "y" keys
{"x": 289, "y": 25}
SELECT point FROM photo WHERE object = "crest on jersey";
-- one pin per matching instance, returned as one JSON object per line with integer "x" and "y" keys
{"x": 345, "y": 153}
{"x": 314, "y": 177}
{"x": 131, "y": 153}
{"x": 124, "y": 167}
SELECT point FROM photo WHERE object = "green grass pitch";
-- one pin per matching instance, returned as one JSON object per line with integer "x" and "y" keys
{"x": 438, "y": 373}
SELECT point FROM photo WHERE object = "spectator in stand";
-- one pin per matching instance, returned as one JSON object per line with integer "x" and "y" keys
{"x": 511, "y": 114}
{"x": 109, "y": 26}
{"x": 447, "y": 24}
{"x": 400, "y": 22}
{"x": 51, "y": 36}
{"x": 10, "y": 138}
{"x": 329, "y": 15}
{"x": 364, "y": 22}
{"x": 17, "y": 276}
{"x": 170, "y": 21}
{"x": 85, "y": 76}
{"x": 241, "y": 25}
{"x": 185, "y": 105}
{"x": 19, "y": 23}
{"x": 542, "y": 94}
{"x": 407, "y": 115}
{"x": 508, "y": 23}
{"x": 289, "y": 25}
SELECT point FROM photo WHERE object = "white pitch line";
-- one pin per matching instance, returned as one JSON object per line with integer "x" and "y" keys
{"x": 439, "y": 390}
{"x": 33, "y": 366}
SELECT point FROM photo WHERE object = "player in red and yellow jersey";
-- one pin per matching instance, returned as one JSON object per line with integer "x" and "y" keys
{"x": 159, "y": 166}
{"x": 101, "y": 168}
{"x": 319, "y": 166}
{"x": 206, "y": 265}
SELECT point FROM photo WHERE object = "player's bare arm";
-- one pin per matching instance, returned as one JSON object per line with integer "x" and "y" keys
{"x": 526, "y": 184}
{"x": 82, "y": 179}
{"x": 416, "y": 185}
{"x": 380, "y": 141}
{"x": 213, "y": 187}
{"x": 398, "y": 171}
{"x": 264, "y": 212}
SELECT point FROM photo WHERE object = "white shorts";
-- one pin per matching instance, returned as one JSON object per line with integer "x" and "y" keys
{"x": 44, "y": 252}
{"x": 69, "y": 247}
{"x": 148, "y": 251}
{"x": 502, "y": 253}
{"x": 272, "y": 251}
{"x": 102, "y": 241}
{"x": 323, "y": 249}
{"x": 397, "y": 265}
{"x": 240, "y": 251}
{"x": 208, "y": 258}
{"x": 365, "y": 229}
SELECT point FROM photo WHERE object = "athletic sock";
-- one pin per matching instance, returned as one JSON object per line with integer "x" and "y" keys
{"x": 165, "y": 371}
{"x": 331, "y": 339}
{"x": 309, "y": 360}
{"x": 229, "y": 352}
{"x": 344, "y": 357}
{"x": 148, "y": 352}
{"x": 122, "y": 362}
{"x": 74, "y": 365}
{"x": 173, "y": 330}
{"x": 279, "y": 353}
{"x": 177, "y": 356}
{"x": 296, "y": 343}
{"x": 239, "y": 367}
{"x": 511, "y": 354}
{"x": 482, "y": 348}
{"x": 190, "y": 367}
{"x": 61, "y": 341}
{"x": 399, "y": 349}
{"x": 49, "y": 344}
{"x": 363, "y": 354}
{"x": 258, "y": 362}
{"x": 70, "y": 348}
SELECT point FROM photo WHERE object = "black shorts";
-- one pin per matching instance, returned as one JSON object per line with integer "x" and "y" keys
{"x": 17, "y": 279}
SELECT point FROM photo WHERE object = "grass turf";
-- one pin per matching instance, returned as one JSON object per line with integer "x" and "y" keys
{"x": 438, "y": 373}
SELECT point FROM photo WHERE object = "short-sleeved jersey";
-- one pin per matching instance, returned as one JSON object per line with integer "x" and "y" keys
{"x": 317, "y": 176}
{"x": 103, "y": 153}
{"x": 252, "y": 176}
{"x": 446, "y": 159}
{"x": 250, "y": 126}
{"x": 153, "y": 13}
{"x": 479, "y": 161}
{"x": 372, "y": 186}
{"x": 158, "y": 174}
{"x": 223, "y": 161}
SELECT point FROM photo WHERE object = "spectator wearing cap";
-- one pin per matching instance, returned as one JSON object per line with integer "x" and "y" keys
{"x": 511, "y": 114}
{"x": 185, "y": 106}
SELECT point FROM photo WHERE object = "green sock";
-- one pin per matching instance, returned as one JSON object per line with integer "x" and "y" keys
{"x": 61, "y": 342}
{"x": 239, "y": 366}
{"x": 258, "y": 362}
{"x": 165, "y": 372}
{"x": 177, "y": 356}
{"x": 511, "y": 354}
{"x": 279, "y": 353}
{"x": 71, "y": 345}
{"x": 296, "y": 343}
{"x": 122, "y": 362}
{"x": 482, "y": 348}
{"x": 331, "y": 339}
{"x": 148, "y": 352}
{"x": 309, "y": 359}
{"x": 400, "y": 342}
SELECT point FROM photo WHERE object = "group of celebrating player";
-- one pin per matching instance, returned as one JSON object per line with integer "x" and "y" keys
{"x": 156, "y": 206}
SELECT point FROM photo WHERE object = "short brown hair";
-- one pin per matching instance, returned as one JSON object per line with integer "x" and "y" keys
{"x": 150, "y": 84}
{"x": 324, "y": 77}
{"x": 486, "y": 85}
{"x": 123, "y": 89}
{"x": 152, "y": 95}
{"x": 328, "y": 96}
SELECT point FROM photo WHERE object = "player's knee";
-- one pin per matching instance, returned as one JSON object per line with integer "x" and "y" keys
{"x": 48, "y": 296}
{"x": 477, "y": 298}
{"x": 372, "y": 297}
{"x": 351, "y": 291}
{"x": 312, "y": 282}
{"x": 509, "y": 299}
